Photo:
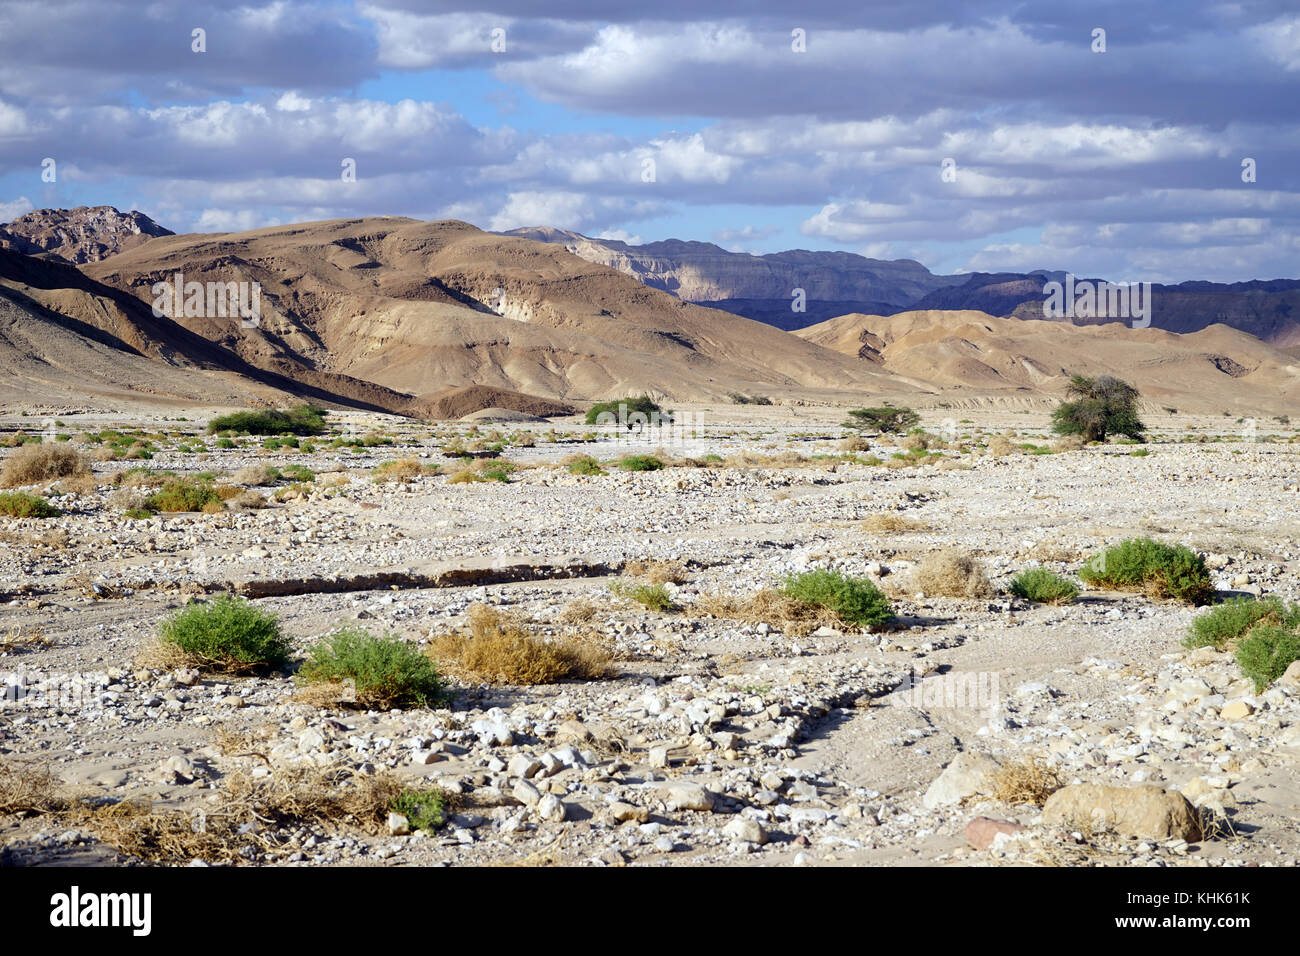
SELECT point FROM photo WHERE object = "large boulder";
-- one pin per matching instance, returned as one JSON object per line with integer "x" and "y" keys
{"x": 1149, "y": 813}
{"x": 968, "y": 774}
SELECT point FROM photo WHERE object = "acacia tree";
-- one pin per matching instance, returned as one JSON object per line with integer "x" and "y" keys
{"x": 1101, "y": 406}
{"x": 885, "y": 419}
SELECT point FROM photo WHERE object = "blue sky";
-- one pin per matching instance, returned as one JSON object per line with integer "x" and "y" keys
{"x": 822, "y": 125}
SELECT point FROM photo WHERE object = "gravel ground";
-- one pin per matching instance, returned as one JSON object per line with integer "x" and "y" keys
{"x": 717, "y": 741}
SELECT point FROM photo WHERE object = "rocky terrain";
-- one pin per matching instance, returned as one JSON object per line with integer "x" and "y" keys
{"x": 83, "y": 234}
{"x": 759, "y": 287}
{"x": 713, "y": 740}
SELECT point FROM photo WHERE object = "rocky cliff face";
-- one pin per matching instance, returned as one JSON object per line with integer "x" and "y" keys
{"x": 759, "y": 286}
{"x": 81, "y": 235}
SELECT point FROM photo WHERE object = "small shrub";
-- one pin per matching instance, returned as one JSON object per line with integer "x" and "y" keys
{"x": 952, "y": 573}
{"x": 35, "y": 463}
{"x": 1231, "y": 619}
{"x": 884, "y": 419}
{"x": 184, "y": 494}
{"x": 19, "y": 504}
{"x": 1266, "y": 652}
{"x": 1162, "y": 570}
{"x": 622, "y": 409}
{"x": 855, "y": 601}
{"x": 640, "y": 463}
{"x": 1043, "y": 586}
{"x": 497, "y": 648}
{"x": 424, "y": 809}
{"x": 402, "y": 469}
{"x": 386, "y": 672}
{"x": 226, "y": 634}
{"x": 584, "y": 465}
{"x": 303, "y": 420}
{"x": 654, "y": 597}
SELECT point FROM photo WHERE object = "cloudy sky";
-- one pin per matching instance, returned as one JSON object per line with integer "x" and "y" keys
{"x": 759, "y": 126}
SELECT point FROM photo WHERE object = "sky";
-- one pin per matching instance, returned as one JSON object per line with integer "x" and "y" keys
{"x": 1134, "y": 140}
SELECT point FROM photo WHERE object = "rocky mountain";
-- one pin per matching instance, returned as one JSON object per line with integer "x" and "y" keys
{"x": 84, "y": 234}
{"x": 758, "y": 287}
{"x": 419, "y": 307}
{"x": 840, "y": 283}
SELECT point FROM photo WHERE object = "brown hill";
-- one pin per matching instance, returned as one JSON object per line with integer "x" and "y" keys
{"x": 1215, "y": 369}
{"x": 421, "y": 306}
{"x": 61, "y": 326}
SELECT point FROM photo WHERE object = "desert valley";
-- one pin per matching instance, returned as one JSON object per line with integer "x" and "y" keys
{"x": 482, "y": 547}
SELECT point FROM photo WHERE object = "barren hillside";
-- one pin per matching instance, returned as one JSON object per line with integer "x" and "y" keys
{"x": 422, "y": 306}
{"x": 1215, "y": 369}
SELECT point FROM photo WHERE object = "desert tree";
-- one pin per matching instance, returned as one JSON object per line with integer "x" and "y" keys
{"x": 1097, "y": 407}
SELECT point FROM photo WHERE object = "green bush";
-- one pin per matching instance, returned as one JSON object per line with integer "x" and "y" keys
{"x": 19, "y": 504}
{"x": 585, "y": 465}
{"x": 624, "y": 408}
{"x": 1231, "y": 619}
{"x": 1162, "y": 570}
{"x": 227, "y": 634}
{"x": 183, "y": 494}
{"x": 640, "y": 463}
{"x": 1043, "y": 586}
{"x": 1266, "y": 652}
{"x": 1101, "y": 406}
{"x": 302, "y": 420}
{"x": 882, "y": 419}
{"x": 855, "y": 601}
{"x": 424, "y": 809}
{"x": 654, "y": 597}
{"x": 386, "y": 672}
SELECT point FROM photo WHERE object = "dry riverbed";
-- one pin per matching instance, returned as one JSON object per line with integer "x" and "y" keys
{"x": 714, "y": 740}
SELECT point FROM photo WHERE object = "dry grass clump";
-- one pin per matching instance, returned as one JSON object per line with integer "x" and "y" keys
{"x": 1067, "y": 443}
{"x": 770, "y": 607}
{"x": 33, "y": 464}
{"x": 289, "y": 798}
{"x": 655, "y": 571}
{"x": 1000, "y": 446}
{"x": 27, "y": 786}
{"x": 579, "y": 611}
{"x": 245, "y": 500}
{"x": 890, "y": 521}
{"x": 1025, "y": 782}
{"x": 782, "y": 459}
{"x": 401, "y": 469}
{"x": 256, "y": 475}
{"x": 853, "y": 443}
{"x": 82, "y": 484}
{"x": 952, "y": 573}
{"x": 497, "y": 648}
{"x": 17, "y": 641}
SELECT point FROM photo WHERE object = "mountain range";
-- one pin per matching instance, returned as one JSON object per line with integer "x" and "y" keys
{"x": 434, "y": 318}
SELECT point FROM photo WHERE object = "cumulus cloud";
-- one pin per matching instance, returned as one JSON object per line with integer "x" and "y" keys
{"x": 1132, "y": 157}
